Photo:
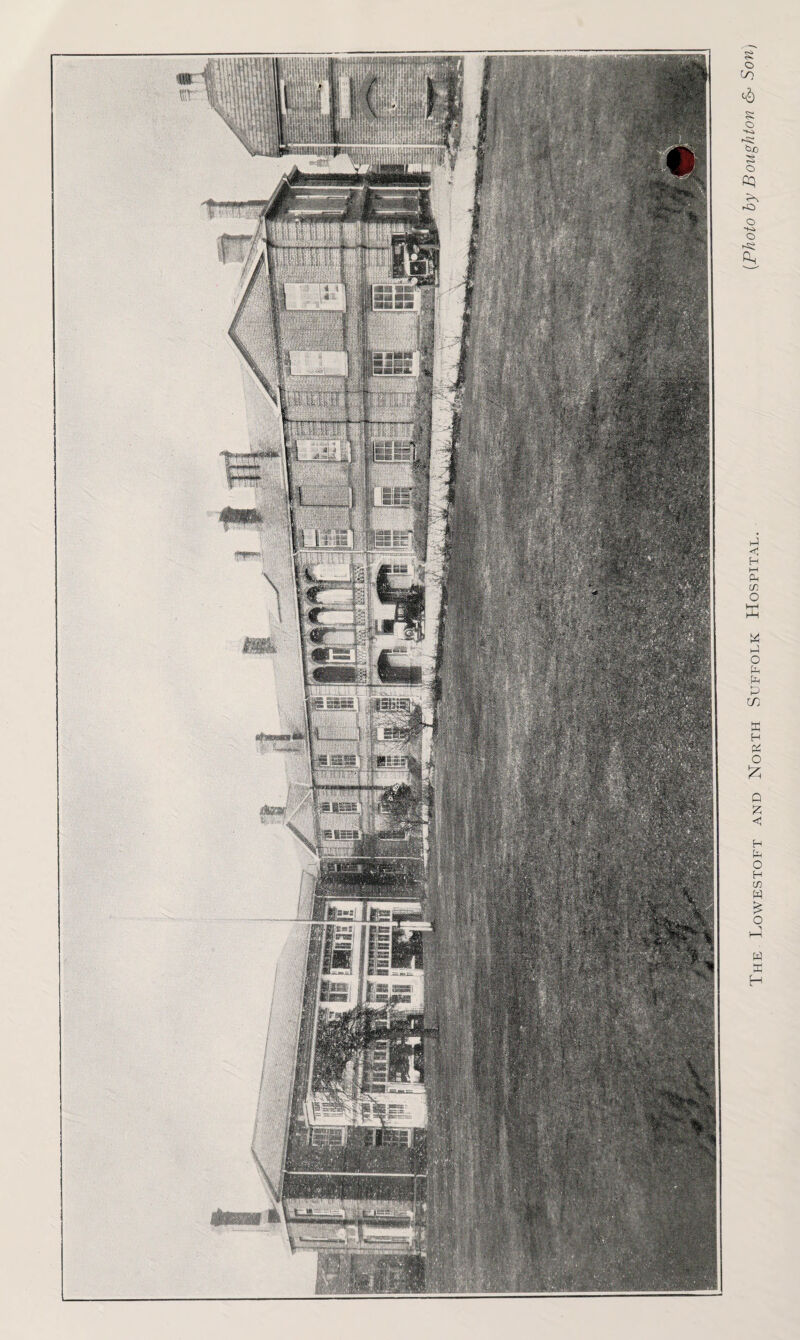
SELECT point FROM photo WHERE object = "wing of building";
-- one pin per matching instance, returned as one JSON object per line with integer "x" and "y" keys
{"x": 377, "y": 109}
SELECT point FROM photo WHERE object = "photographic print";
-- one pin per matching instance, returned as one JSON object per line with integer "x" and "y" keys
{"x": 387, "y": 746}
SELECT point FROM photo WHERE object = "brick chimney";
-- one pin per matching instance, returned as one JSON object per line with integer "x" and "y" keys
{"x": 192, "y": 87}
{"x": 258, "y": 646}
{"x": 232, "y": 248}
{"x": 243, "y": 468}
{"x": 259, "y": 1219}
{"x": 239, "y": 518}
{"x": 279, "y": 744}
{"x": 234, "y": 209}
{"x": 273, "y": 814}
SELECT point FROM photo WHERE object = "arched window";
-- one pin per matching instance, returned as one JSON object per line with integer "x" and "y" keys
{"x": 335, "y": 674}
{"x": 395, "y": 667}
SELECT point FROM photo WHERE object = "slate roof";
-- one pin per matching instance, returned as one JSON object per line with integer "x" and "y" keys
{"x": 252, "y": 330}
{"x": 242, "y": 90}
{"x": 274, "y": 1110}
{"x": 300, "y": 816}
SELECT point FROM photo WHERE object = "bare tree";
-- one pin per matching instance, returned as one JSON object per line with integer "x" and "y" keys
{"x": 344, "y": 1038}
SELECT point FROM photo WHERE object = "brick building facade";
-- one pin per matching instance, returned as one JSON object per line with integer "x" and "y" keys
{"x": 377, "y": 109}
{"x": 355, "y": 1273}
{"x": 344, "y": 1175}
{"x": 338, "y": 365}
{"x": 330, "y": 504}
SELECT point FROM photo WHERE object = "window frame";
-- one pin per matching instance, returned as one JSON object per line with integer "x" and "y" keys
{"x": 315, "y": 295}
{"x": 327, "y": 1131}
{"x": 392, "y": 495}
{"x": 396, "y": 288}
{"x": 337, "y": 537}
{"x": 392, "y": 450}
{"x": 398, "y": 539}
{"x": 301, "y": 363}
{"x": 394, "y": 363}
{"x": 328, "y": 449}
{"x": 389, "y": 703}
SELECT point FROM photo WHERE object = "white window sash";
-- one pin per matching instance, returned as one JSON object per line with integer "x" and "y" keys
{"x": 389, "y": 704}
{"x": 387, "y": 540}
{"x": 391, "y": 354}
{"x": 379, "y": 289}
{"x": 391, "y": 732}
{"x": 380, "y": 500}
{"x": 392, "y": 449}
{"x": 323, "y": 1136}
{"x": 318, "y": 363}
{"x": 320, "y": 539}
{"x": 319, "y": 296}
{"x": 322, "y": 449}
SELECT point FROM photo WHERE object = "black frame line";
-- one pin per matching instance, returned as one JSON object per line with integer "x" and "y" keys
{"x": 423, "y": 1297}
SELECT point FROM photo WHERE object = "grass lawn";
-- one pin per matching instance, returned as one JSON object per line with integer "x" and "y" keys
{"x": 572, "y": 1088}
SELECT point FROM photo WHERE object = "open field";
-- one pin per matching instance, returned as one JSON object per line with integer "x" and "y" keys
{"x": 572, "y": 1087}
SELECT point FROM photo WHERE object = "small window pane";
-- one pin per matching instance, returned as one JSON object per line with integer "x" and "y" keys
{"x": 335, "y": 539}
{"x": 334, "y": 992}
{"x": 392, "y": 449}
{"x": 392, "y": 539}
{"x": 318, "y": 363}
{"x": 393, "y": 495}
{"x": 324, "y": 1136}
{"x": 314, "y": 297}
{"x": 393, "y": 297}
{"x": 394, "y": 364}
{"x": 322, "y": 449}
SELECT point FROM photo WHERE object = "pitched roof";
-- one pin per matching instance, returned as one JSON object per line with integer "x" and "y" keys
{"x": 299, "y": 818}
{"x": 252, "y": 330}
{"x": 242, "y": 89}
{"x": 273, "y": 1114}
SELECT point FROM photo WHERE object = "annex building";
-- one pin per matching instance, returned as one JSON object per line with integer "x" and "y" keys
{"x": 333, "y": 328}
{"x": 389, "y": 109}
{"x": 346, "y": 1175}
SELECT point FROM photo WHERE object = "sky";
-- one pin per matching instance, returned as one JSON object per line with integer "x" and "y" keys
{"x": 164, "y": 1023}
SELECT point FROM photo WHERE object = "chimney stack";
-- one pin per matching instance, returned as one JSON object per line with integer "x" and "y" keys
{"x": 191, "y": 87}
{"x": 272, "y": 814}
{"x": 279, "y": 744}
{"x": 244, "y": 1219}
{"x": 240, "y": 518}
{"x": 234, "y": 209}
{"x": 232, "y": 248}
{"x": 243, "y": 468}
{"x": 258, "y": 646}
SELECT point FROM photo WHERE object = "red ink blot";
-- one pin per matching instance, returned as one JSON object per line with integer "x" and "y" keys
{"x": 680, "y": 161}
